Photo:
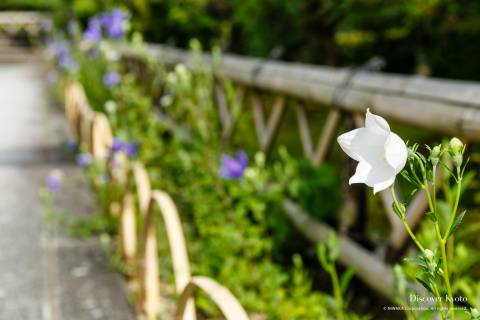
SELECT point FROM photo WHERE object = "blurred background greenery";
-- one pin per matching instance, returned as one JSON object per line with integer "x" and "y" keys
{"x": 430, "y": 37}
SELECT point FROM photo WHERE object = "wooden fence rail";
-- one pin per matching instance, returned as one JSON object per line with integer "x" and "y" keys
{"x": 444, "y": 106}
{"x": 14, "y": 21}
{"x": 94, "y": 132}
{"x": 447, "y": 106}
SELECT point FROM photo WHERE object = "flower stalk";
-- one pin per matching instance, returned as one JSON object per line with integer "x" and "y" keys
{"x": 403, "y": 217}
{"x": 380, "y": 161}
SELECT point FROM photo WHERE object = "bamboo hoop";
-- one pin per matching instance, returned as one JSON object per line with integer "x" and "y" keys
{"x": 101, "y": 136}
{"x": 93, "y": 129}
{"x": 127, "y": 223}
{"x": 222, "y": 297}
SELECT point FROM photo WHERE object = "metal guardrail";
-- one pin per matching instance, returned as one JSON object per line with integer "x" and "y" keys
{"x": 94, "y": 131}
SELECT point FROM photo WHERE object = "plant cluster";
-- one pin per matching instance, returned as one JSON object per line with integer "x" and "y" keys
{"x": 382, "y": 155}
{"x": 228, "y": 198}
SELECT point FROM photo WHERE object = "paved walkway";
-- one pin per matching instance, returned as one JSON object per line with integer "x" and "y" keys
{"x": 45, "y": 275}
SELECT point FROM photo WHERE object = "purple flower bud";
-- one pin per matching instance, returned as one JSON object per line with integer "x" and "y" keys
{"x": 233, "y": 168}
{"x": 131, "y": 149}
{"x": 54, "y": 180}
{"x": 117, "y": 145}
{"x": 111, "y": 79}
{"x": 84, "y": 160}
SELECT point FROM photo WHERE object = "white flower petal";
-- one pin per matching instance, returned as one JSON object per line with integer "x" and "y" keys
{"x": 396, "y": 152}
{"x": 383, "y": 185}
{"x": 361, "y": 173}
{"x": 376, "y": 124}
{"x": 380, "y": 153}
{"x": 379, "y": 176}
{"x": 363, "y": 145}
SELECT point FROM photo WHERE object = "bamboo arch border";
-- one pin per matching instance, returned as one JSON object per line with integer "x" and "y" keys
{"x": 93, "y": 130}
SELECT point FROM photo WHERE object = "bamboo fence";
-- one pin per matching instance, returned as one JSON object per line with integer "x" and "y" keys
{"x": 94, "y": 132}
{"x": 15, "y": 21}
{"x": 444, "y": 106}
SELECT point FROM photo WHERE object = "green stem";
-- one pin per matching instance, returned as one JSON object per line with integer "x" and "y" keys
{"x": 439, "y": 301}
{"x": 412, "y": 235}
{"x": 405, "y": 224}
{"x": 337, "y": 292}
{"x": 441, "y": 240}
{"x": 434, "y": 189}
{"x": 455, "y": 208}
{"x": 446, "y": 277}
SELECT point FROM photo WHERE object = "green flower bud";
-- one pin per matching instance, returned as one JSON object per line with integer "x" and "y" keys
{"x": 429, "y": 254}
{"x": 455, "y": 145}
{"x": 456, "y": 150}
{"x": 430, "y": 261}
{"x": 436, "y": 151}
{"x": 435, "y": 155}
{"x": 399, "y": 209}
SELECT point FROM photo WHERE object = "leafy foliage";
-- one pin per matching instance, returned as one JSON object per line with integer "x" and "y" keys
{"x": 232, "y": 234}
{"x": 413, "y": 36}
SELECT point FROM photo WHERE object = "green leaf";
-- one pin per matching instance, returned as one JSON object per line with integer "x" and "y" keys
{"x": 399, "y": 209}
{"x": 405, "y": 175}
{"x": 413, "y": 192}
{"x": 422, "y": 157}
{"x": 345, "y": 279}
{"x": 456, "y": 223}
{"x": 418, "y": 260}
{"x": 425, "y": 285}
{"x": 431, "y": 216}
{"x": 322, "y": 256}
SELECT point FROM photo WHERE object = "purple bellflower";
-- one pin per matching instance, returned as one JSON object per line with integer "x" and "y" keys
{"x": 71, "y": 145}
{"x": 54, "y": 180}
{"x": 131, "y": 149}
{"x": 84, "y": 160}
{"x": 115, "y": 23}
{"x": 233, "y": 168}
{"x": 111, "y": 79}
{"x": 65, "y": 60}
{"x": 117, "y": 145}
{"x": 93, "y": 33}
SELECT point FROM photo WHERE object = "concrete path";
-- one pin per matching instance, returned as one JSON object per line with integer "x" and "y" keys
{"x": 45, "y": 275}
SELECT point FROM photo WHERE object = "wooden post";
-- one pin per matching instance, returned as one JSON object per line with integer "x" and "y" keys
{"x": 237, "y": 105}
{"x": 258, "y": 115}
{"x": 128, "y": 230}
{"x": 327, "y": 136}
{"x": 304, "y": 131}
{"x": 273, "y": 124}
{"x": 222, "y": 105}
